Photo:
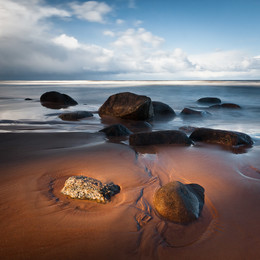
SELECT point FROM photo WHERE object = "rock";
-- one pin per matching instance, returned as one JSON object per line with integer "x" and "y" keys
{"x": 226, "y": 105}
{"x": 56, "y": 100}
{"x": 209, "y": 100}
{"x": 191, "y": 112}
{"x": 28, "y": 99}
{"x": 116, "y": 130}
{"x": 224, "y": 137}
{"x": 83, "y": 187}
{"x": 187, "y": 129}
{"x": 127, "y": 105}
{"x": 74, "y": 116}
{"x": 178, "y": 202}
{"x": 159, "y": 137}
{"x": 162, "y": 111}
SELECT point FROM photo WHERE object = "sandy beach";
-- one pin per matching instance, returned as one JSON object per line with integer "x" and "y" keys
{"x": 38, "y": 221}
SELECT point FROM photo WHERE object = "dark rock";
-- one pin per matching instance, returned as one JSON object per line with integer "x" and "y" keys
{"x": 82, "y": 187}
{"x": 187, "y": 129}
{"x": 209, "y": 100}
{"x": 159, "y": 137}
{"x": 56, "y": 100}
{"x": 74, "y": 116}
{"x": 178, "y": 202}
{"x": 127, "y": 105}
{"x": 226, "y": 105}
{"x": 191, "y": 112}
{"x": 162, "y": 111}
{"x": 224, "y": 137}
{"x": 28, "y": 99}
{"x": 116, "y": 130}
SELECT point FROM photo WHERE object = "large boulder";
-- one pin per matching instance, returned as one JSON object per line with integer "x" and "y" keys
{"x": 178, "y": 202}
{"x": 226, "y": 105}
{"x": 159, "y": 137}
{"x": 215, "y": 136}
{"x": 56, "y": 100}
{"x": 127, "y": 105}
{"x": 162, "y": 111}
{"x": 83, "y": 187}
{"x": 74, "y": 116}
{"x": 209, "y": 100}
{"x": 116, "y": 130}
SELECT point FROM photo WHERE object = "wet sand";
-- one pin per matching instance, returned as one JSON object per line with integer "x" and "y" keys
{"x": 38, "y": 222}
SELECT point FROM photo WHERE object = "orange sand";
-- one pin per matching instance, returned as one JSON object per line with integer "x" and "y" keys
{"x": 38, "y": 222}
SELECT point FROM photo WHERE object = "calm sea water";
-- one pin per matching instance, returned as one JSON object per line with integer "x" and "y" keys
{"x": 18, "y": 115}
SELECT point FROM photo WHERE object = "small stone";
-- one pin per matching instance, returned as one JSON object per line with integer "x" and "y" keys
{"x": 83, "y": 187}
{"x": 74, "y": 116}
{"x": 116, "y": 130}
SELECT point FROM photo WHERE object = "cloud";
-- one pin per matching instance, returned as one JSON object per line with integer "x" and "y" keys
{"x": 66, "y": 41}
{"x": 91, "y": 11}
{"x": 119, "y": 21}
{"x": 109, "y": 33}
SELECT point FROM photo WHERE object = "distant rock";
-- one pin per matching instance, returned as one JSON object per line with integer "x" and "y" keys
{"x": 162, "y": 111}
{"x": 127, "y": 105}
{"x": 191, "y": 112}
{"x": 116, "y": 130}
{"x": 56, "y": 100}
{"x": 83, "y": 187}
{"x": 74, "y": 116}
{"x": 226, "y": 105}
{"x": 159, "y": 137}
{"x": 28, "y": 99}
{"x": 209, "y": 100}
{"x": 178, "y": 202}
{"x": 223, "y": 137}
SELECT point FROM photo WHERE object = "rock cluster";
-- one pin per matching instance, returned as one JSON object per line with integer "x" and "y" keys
{"x": 178, "y": 202}
{"x": 83, "y": 187}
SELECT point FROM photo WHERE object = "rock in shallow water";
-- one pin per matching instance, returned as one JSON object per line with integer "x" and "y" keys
{"x": 127, "y": 105}
{"x": 74, "y": 116}
{"x": 178, "y": 202}
{"x": 83, "y": 187}
{"x": 116, "y": 130}
{"x": 209, "y": 100}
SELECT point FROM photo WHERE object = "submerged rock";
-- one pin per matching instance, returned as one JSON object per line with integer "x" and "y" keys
{"x": 74, "y": 116}
{"x": 215, "y": 136}
{"x": 127, "y": 105}
{"x": 116, "y": 130}
{"x": 209, "y": 100}
{"x": 226, "y": 105}
{"x": 56, "y": 100}
{"x": 159, "y": 137}
{"x": 191, "y": 112}
{"x": 178, "y": 202}
{"x": 83, "y": 187}
{"x": 162, "y": 111}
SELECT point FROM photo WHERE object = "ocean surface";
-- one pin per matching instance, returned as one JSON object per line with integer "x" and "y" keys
{"x": 19, "y": 115}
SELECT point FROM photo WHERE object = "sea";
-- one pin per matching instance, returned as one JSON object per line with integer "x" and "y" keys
{"x": 20, "y": 115}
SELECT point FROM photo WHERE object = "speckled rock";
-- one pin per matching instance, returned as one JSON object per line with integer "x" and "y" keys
{"x": 224, "y": 137}
{"x": 178, "y": 202}
{"x": 74, "y": 116}
{"x": 127, "y": 105}
{"x": 83, "y": 187}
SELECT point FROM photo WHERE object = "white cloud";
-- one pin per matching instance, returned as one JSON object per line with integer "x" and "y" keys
{"x": 119, "y": 21}
{"x": 66, "y": 41}
{"x": 109, "y": 33}
{"x": 91, "y": 11}
{"x": 137, "y": 23}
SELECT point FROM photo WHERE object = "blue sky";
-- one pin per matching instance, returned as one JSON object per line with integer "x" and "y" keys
{"x": 130, "y": 39}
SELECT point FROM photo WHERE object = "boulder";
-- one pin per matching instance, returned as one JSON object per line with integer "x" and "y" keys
{"x": 74, "y": 116}
{"x": 127, "y": 105}
{"x": 226, "y": 105}
{"x": 162, "y": 111}
{"x": 215, "y": 136}
{"x": 116, "y": 130}
{"x": 83, "y": 187}
{"x": 209, "y": 100}
{"x": 178, "y": 202}
{"x": 56, "y": 100}
{"x": 191, "y": 112}
{"x": 159, "y": 137}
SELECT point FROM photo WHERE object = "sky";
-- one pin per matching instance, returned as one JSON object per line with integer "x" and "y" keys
{"x": 130, "y": 40}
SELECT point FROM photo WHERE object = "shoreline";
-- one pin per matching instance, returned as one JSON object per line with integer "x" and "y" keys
{"x": 38, "y": 221}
